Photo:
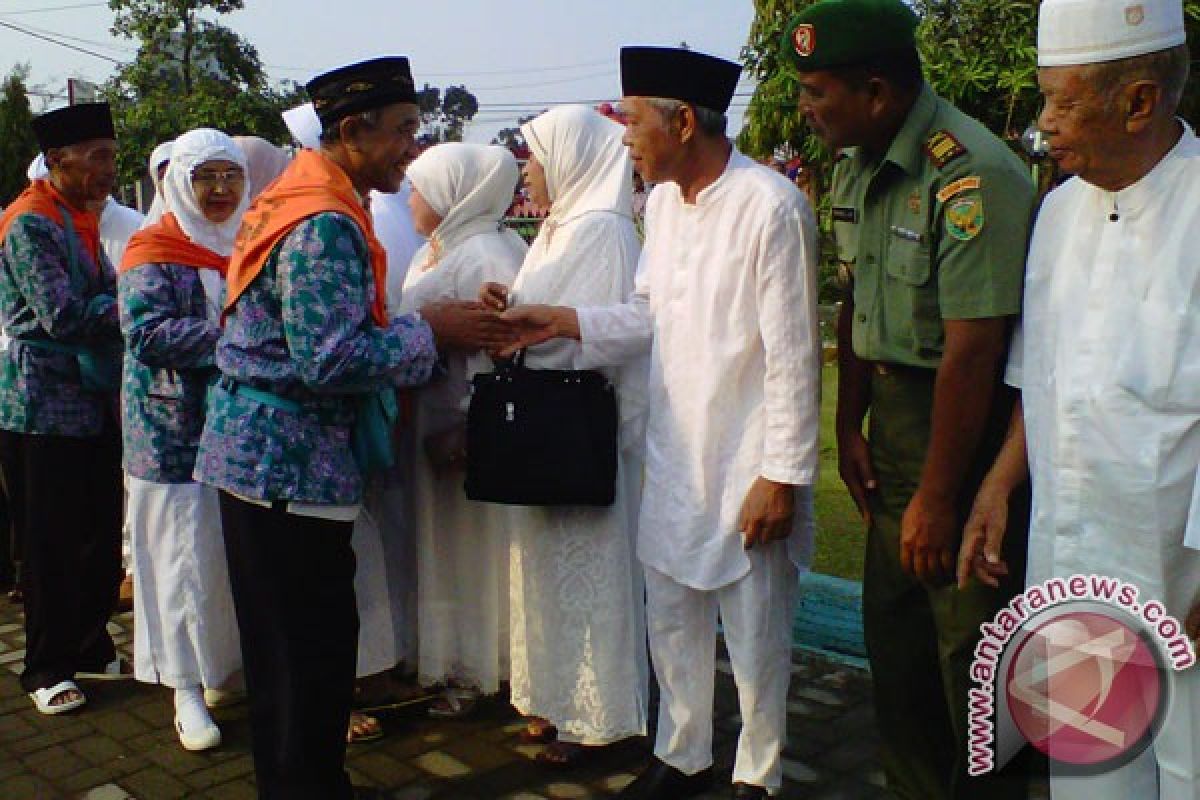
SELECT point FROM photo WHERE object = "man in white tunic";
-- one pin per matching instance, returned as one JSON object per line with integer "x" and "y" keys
{"x": 1108, "y": 355}
{"x": 725, "y": 301}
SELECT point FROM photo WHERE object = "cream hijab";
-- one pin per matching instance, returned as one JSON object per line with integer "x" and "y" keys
{"x": 264, "y": 163}
{"x": 587, "y": 166}
{"x": 190, "y": 151}
{"x": 470, "y": 186}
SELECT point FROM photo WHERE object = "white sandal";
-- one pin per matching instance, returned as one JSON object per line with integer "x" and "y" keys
{"x": 42, "y": 698}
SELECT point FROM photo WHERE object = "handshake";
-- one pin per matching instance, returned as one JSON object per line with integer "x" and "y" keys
{"x": 488, "y": 324}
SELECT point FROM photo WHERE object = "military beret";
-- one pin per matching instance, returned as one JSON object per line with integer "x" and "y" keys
{"x": 361, "y": 87}
{"x": 72, "y": 125}
{"x": 842, "y": 33}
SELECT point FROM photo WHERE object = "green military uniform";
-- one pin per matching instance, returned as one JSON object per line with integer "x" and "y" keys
{"x": 934, "y": 230}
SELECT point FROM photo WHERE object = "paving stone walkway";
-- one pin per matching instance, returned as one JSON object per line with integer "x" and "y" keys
{"x": 121, "y": 745}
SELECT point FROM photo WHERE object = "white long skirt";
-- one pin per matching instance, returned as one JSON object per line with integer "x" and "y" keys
{"x": 462, "y": 591}
{"x": 377, "y": 623}
{"x": 186, "y": 632}
{"x": 578, "y": 617}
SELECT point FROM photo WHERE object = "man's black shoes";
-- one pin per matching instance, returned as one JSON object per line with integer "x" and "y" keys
{"x": 662, "y": 782}
{"x": 748, "y": 791}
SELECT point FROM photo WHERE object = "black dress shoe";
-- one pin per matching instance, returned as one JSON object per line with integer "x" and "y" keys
{"x": 662, "y": 782}
{"x": 748, "y": 791}
{"x": 371, "y": 793}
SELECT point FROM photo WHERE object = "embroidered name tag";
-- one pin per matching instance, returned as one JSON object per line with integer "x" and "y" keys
{"x": 845, "y": 214}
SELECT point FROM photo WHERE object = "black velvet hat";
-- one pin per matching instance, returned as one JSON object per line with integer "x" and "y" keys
{"x": 73, "y": 124}
{"x": 703, "y": 80}
{"x": 361, "y": 87}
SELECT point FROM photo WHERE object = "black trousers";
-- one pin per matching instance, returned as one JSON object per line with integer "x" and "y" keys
{"x": 67, "y": 512}
{"x": 293, "y": 590}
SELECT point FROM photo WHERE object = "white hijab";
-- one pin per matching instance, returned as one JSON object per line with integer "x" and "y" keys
{"x": 158, "y": 156}
{"x": 190, "y": 151}
{"x": 304, "y": 125}
{"x": 37, "y": 169}
{"x": 587, "y": 166}
{"x": 470, "y": 186}
{"x": 264, "y": 163}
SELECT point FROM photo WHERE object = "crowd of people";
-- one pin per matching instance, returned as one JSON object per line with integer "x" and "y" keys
{"x": 269, "y": 393}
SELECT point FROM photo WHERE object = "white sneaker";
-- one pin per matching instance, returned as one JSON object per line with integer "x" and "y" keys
{"x": 205, "y": 737}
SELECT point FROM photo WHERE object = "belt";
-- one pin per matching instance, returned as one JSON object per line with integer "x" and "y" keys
{"x": 886, "y": 369}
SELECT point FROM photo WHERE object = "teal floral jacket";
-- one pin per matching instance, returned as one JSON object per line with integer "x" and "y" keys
{"x": 302, "y": 331}
{"x": 170, "y": 349}
{"x": 40, "y": 389}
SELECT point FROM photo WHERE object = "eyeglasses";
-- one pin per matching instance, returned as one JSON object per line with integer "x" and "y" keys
{"x": 209, "y": 178}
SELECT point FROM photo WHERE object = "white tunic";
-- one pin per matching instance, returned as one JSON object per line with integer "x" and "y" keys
{"x": 726, "y": 290}
{"x": 1108, "y": 361}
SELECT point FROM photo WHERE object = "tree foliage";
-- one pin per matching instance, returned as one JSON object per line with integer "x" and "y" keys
{"x": 190, "y": 71}
{"x": 444, "y": 115}
{"x": 18, "y": 145}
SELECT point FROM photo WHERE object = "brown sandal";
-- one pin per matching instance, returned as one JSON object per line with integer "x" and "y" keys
{"x": 363, "y": 728}
{"x": 538, "y": 731}
{"x": 563, "y": 755}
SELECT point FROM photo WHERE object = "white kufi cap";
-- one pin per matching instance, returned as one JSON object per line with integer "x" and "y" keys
{"x": 1072, "y": 32}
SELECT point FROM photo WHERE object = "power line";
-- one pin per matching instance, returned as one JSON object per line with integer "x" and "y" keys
{"x": 54, "y": 8}
{"x": 19, "y": 29}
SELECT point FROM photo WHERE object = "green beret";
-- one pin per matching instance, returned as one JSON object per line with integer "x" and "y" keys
{"x": 841, "y": 33}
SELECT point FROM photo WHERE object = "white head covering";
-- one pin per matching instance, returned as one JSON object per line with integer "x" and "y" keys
{"x": 1073, "y": 32}
{"x": 158, "y": 156}
{"x": 37, "y": 169}
{"x": 394, "y": 229}
{"x": 305, "y": 125}
{"x": 190, "y": 151}
{"x": 264, "y": 163}
{"x": 587, "y": 167}
{"x": 470, "y": 186}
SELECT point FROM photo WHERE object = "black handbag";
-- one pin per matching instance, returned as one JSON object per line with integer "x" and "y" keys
{"x": 542, "y": 437}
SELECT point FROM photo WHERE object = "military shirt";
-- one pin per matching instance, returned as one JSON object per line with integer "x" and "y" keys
{"x": 936, "y": 229}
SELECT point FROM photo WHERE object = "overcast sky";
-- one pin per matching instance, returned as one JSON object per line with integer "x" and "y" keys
{"x": 516, "y": 56}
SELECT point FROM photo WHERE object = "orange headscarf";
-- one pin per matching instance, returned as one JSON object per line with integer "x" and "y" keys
{"x": 311, "y": 185}
{"x": 43, "y": 199}
{"x": 165, "y": 243}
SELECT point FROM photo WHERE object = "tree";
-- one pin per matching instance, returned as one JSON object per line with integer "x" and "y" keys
{"x": 18, "y": 145}
{"x": 444, "y": 116}
{"x": 513, "y": 139}
{"x": 189, "y": 72}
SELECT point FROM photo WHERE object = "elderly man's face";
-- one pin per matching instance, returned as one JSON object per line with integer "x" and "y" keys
{"x": 1085, "y": 131}
{"x": 385, "y": 150}
{"x": 653, "y": 145}
{"x": 85, "y": 172}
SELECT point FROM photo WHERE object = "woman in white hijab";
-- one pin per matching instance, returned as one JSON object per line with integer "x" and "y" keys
{"x": 459, "y": 195}
{"x": 578, "y": 630}
{"x": 170, "y": 291}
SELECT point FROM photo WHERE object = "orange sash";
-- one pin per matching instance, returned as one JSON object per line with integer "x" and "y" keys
{"x": 166, "y": 243}
{"x": 311, "y": 185}
{"x": 41, "y": 198}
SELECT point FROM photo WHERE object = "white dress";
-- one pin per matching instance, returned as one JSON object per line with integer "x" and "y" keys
{"x": 578, "y": 626}
{"x": 462, "y": 545}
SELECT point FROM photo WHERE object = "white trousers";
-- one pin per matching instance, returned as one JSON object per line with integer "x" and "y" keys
{"x": 186, "y": 633}
{"x": 756, "y": 612}
{"x": 1168, "y": 770}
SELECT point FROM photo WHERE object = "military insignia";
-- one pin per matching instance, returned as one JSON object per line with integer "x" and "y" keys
{"x": 942, "y": 148}
{"x": 958, "y": 187}
{"x": 845, "y": 214}
{"x": 1135, "y": 15}
{"x": 805, "y": 39}
{"x": 906, "y": 234}
{"x": 964, "y": 218}
{"x": 360, "y": 86}
{"x": 914, "y": 201}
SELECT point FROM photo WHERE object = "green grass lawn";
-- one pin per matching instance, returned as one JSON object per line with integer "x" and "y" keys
{"x": 840, "y": 530}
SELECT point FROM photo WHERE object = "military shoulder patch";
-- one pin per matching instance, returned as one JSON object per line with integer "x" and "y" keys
{"x": 958, "y": 187}
{"x": 964, "y": 218}
{"x": 942, "y": 148}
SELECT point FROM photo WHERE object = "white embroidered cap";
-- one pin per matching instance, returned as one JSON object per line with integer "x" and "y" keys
{"x": 1072, "y": 32}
